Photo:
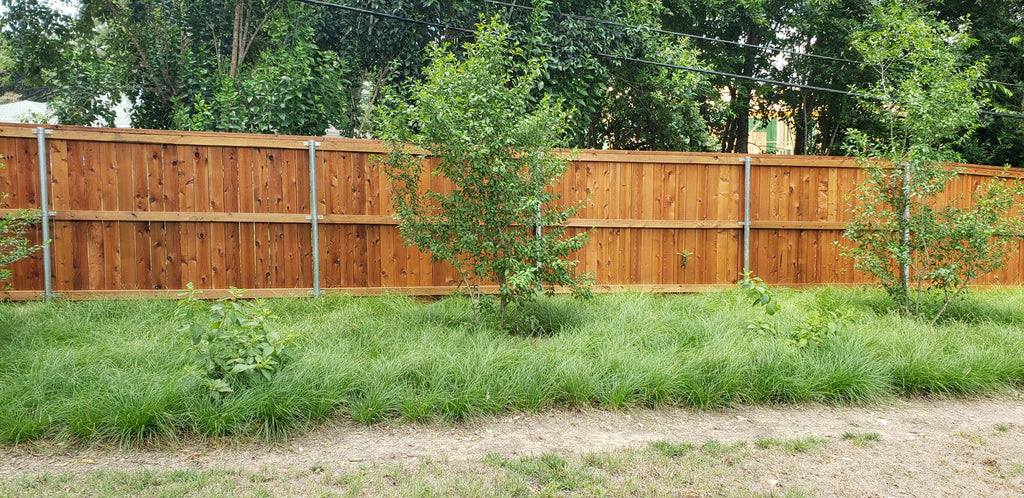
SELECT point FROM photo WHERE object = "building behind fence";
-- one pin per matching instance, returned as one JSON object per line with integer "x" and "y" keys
{"x": 135, "y": 212}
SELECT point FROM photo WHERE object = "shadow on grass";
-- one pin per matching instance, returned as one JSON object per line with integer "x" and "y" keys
{"x": 542, "y": 316}
{"x": 546, "y": 316}
{"x": 997, "y": 307}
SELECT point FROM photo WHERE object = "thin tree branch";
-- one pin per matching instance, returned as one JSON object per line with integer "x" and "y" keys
{"x": 165, "y": 89}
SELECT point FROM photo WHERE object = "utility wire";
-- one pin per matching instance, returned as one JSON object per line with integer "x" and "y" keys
{"x": 706, "y": 38}
{"x": 388, "y": 16}
{"x": 772, "y": 82}
{"x": 674, "y": 33}
{"x": 627, "y": 59}
{"x": 729, "y": 75}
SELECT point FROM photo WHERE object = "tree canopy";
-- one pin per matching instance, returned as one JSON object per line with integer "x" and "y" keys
{"x": 285, "y": 66}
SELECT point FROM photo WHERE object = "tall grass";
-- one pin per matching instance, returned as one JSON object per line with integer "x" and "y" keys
{"x": 118, "y": 370}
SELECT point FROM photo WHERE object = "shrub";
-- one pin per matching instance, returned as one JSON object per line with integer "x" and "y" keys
{"x": 231, "y": 339}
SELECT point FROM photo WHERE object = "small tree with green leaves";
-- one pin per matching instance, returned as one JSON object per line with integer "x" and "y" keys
{"x": 923, "y": 253}
{"x": 497, "y": 220}
{"x": 14, "y": 245}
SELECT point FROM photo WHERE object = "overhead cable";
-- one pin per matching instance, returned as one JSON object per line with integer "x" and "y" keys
{"x": 627, "y": 59}
{"x": 388, "y": 16}
{"x": 707, "y": 38}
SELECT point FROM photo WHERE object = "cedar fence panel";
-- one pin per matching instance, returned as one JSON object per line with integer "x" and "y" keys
{"x": 140, "y": 212}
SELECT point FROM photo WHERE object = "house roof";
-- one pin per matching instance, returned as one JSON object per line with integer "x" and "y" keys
{"x": 23, "y": 111}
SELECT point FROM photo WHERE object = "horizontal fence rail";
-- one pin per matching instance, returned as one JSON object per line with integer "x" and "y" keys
{"x": 143, "y": 213}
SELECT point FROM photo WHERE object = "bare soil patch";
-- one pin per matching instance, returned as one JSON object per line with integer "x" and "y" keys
{"x": 927, "y": 447}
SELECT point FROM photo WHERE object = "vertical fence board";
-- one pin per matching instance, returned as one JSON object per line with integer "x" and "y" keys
{"x": 218, "y": 175}
{"x": 110, "y": 247}
{"x": 10, "y": 171}
{"x": 124, "y": 184}
{"x": 288, "y": 203}
{"x": 23, "y": 192}
{"x": 153, "y": 200}
{"x": 204, "y": 250}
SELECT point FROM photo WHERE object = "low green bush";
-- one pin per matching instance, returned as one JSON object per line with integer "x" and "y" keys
{"x": 232, "y": 340}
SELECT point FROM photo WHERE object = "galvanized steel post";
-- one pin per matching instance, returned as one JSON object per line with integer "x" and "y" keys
{"x": 905, "y": 236}
{"x": 538, "y": 232}
{"x": 44, "y": 211}
{"x": 314, "y": 217}
{"x": 746, "y": 215}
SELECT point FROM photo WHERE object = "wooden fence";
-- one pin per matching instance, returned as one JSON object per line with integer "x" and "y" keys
{"x": 144, "y": 212}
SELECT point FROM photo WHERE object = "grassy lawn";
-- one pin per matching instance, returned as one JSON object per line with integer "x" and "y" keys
{"x": 119, "y": 371}
{"x": 663, "y": 468}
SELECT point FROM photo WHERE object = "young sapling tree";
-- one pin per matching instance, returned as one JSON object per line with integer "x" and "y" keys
{"x": 490, "y": 141}
{"x": 923, "y": 251}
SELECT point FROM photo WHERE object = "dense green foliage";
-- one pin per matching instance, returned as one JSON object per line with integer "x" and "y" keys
{"x": 233, "y": 340}
{"x": 228, "y": 65}
{"x": 820, "y": 119}
{"x": 115, "y": 370}
{"x": 998, "y": 25}
{"x": 210, "y": 65}
{"x": 923, "y": 253}
{"x": 750, "y": 22}
{"x": 617, "y": 102}
{"x": 291, "y": 86}
{"x": 499, "y": 222}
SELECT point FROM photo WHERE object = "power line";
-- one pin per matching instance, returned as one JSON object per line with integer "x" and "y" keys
{"x": 388, "y": 16}
{"x": 729, "y": 75}
{"x": 675, "y": 33}
{"x": 707, "y": 38}
{"x": 773, "y": 82}
{"x": 627, "y": 59}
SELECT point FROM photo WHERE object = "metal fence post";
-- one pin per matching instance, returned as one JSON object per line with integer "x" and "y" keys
{"x": 905, "y": 235}
{"x": 44, "y": 211}
{"x": 314, "y": 217}
{"x": 746, "y": 215}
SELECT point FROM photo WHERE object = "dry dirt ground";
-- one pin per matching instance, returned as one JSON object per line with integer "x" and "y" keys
{"x": 928, "y": 447}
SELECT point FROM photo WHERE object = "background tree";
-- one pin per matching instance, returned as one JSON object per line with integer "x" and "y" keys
{"x": 291, "y": 86}
{"x": 207, "y": 64}
{"x": 820, "y": 119}
{"x": 751, "y": 22}
{"x": 385, "y": 51}
{"x": 229, "y": 65}
{"x": 616, "y": 103}
{"x": 34, "y": 36}
{"x": 921, "y": 252}
{"x": 998, "y": 25}
{"x": 493, "y": 143}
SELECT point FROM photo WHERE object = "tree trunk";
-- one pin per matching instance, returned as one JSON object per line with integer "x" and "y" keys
{"x": 503, "y": 301}
{"x": 801, "y": 122}
{"x": 743, "y": 126}
{"x": 745, "y": 97}
{"x": 236, "y": 39}
{"x": 799, "y": 136}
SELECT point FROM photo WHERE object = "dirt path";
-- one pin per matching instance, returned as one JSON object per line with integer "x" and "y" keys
{"x": 928, "y": 447}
